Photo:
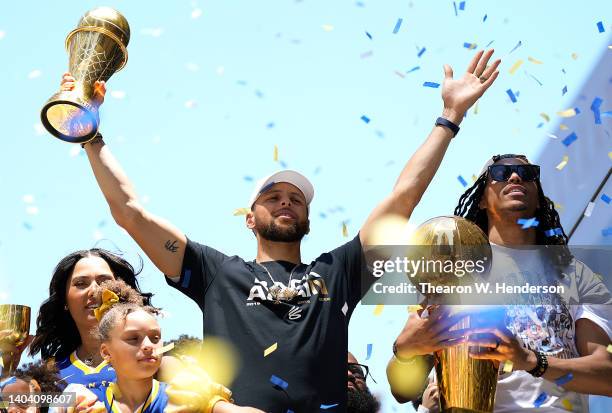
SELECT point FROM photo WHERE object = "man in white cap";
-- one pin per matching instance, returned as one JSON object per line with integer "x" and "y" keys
{"x": 300, "y": 309}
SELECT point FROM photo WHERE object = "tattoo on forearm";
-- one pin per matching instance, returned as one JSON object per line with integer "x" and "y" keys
{"x": 171, "y": 246}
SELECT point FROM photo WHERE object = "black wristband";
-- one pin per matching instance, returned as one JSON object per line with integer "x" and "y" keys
{"x": 401, "y": 359}
{"x": 448, "y": 124}
{"x": 541, "y": 366}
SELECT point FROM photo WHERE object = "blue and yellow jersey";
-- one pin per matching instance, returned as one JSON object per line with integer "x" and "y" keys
{"x": 155, "y": 403}
{"x": 73, "y": 370}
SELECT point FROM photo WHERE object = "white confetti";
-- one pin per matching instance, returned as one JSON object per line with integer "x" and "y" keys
{"x": 153, "y": 32}
{"x": 190, "y": 104}
{"x": 345, "y": 308}
{"x": 32, "y": 210}
{"x": 28, "y": 199}
{"x": 220, "y": 70}
{"x": 589, "y": 209}
{"x": 192, "y": 67}
{"x": 196, "y": 13}
{"x": 74, "y": 150}
{"x": 117, "y": 94}
{"x": 34, "y": 74}
{"x": 550, "y": 135}
{"x": 2, "y": 34}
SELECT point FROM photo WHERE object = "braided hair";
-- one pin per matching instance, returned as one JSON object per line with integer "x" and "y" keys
{"x": 549, "y": 230}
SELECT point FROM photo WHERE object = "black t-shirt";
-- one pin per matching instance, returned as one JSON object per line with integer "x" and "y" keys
{"x": 311, "y": 331}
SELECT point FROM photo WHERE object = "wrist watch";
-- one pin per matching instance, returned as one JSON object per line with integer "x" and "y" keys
{"x": 541, "y": 366}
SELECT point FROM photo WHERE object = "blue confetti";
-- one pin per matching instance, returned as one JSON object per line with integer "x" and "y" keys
{"x": 421, "y": 52}
{"x": 413, "y": 69}
{"x": 27, "y": 226}
{"x": 527, "y": 223}
{"x": 553, "y": 232}
{"x": 462, "y": 181}
{"x": 242, "y": 82}
{"x": 455, "y": 6}
{"x": 462, "y": 5}
{"x": 259, "y": 94}
{"x": 248, "y": 178}
{"x": 519, "y": 44}
{"x": 540, "y": 125}
{"x": 533, "y": 77}
{"x": 484, "y": 19}
{"x": 328, "y": 406}
{"x": 511, "y": 95}
{"x": 564, "y": 91}
{"x": 569, "y": 139}
{"x": 322, "y": 215}
{"x": 595, "y": 108}
{"x": 607, "y": 114}
{"x": 380, "y": 134}
{"x": 489, "y": 44}
{"x": 606, "y": 198}
{"x": 283, "y": 164}
{"x": 564, "y": 379}
{"x": 278, "y": 382}
{"x": 431, "y": 84}
{"x": 397, "y": 25}
{"x": 577, "y": 110}
{"x": 360, "y": 4}
{"x": 369, "y": 352}
{"x": 600, "y": 27}
{"x": 270, "y": 125}
{"x": 470, "y": 45}
{"x": 365, "y": 119}
{"x": 606, "y": 231}
{"x": 369, "y": 35}
{"x": 540, "y": 400}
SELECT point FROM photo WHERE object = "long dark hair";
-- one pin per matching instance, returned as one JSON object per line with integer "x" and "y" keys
{"x": 549, "y": 231}
{"x": 56, "y": 332}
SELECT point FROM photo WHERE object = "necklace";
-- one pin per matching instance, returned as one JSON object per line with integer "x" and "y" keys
{"x": 88, "y": 360}
{"x": 283, "y": 293}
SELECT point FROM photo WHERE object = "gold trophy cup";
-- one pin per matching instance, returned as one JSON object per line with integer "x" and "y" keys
{"x": 14, "y": 331}
{"x": 465, "y": 385}
{"x": 97, "y": 48}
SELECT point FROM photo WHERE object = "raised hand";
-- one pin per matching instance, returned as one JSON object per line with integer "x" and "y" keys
{"x": 460, "y": 94}
{"x": 68, "y": 84}
{"x": 501, "y": 345}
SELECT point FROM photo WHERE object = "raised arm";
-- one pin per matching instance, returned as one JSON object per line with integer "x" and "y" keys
{"x": 458, "y": 96}
{"x": 163, "y": 243}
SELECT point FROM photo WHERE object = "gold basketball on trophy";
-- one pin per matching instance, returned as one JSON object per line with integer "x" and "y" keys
{"x": 97, "y": 48}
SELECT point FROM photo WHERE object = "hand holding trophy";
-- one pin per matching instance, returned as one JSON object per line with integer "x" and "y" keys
{"x": 14, "y": 335}
{"x": 97, "y": 48}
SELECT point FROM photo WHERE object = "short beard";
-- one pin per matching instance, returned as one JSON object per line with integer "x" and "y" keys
{"x": 361, "y": 401}
{"x": 274, "y": 233}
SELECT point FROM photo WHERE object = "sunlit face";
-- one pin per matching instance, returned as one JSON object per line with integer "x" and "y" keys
{"x": 88, "y": 274}
{"x": 132, "y": 346}
{"x": 280, "y": 214}
{"x": 516, "y": 197}
{"x": 355, "y": 379}
{"x": 19, "y": 386}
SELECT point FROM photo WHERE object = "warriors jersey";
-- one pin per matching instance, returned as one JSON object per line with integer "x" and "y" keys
{"x": 73, "y": 370}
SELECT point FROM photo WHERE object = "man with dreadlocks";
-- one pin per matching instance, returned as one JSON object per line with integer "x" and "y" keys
{"x": 556, "y": 346}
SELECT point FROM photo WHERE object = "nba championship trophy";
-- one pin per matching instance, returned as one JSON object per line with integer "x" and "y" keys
{"x": 465, "y": 384}
{"x": 14, "y": 331}
{"x": 97, "y": 48}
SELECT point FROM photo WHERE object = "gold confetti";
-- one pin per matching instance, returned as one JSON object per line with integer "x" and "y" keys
{"x": 515, "y": 66}
{"x": 610, "y": 155}
{"x": 575, "y": 56}
{"x": 474, "y": 178}
{"x": 563, "y": 126}
{"x": 536, "y": 61}
{"x": 567, "y": 113}
{"x": 545, "y": 116}
{"x": 344, "y": 230}
{"x": 270, "y": 349}
{"x": 476, "y": 108}
{"x": 563, "y": 163}
{"x": 568, "y": 405}
{"x": 163, "y": 350}
{"x": 241, "y": 211}
{"x": 508, "y": 366}
{"x": 328, "y": 27}
{"x": 414, "y": 308}
{"x": 609, "y": 348}
{"x": 559, "y": 207}
{"x": 378, "y": 309}
{"x": 275, "y": 156}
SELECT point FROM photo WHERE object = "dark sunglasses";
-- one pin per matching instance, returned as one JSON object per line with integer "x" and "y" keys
{"x": 360, "y": 370}
{"x": 527, "y": 173}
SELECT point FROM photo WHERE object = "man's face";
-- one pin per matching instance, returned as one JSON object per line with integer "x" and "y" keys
{"x": 280, "y": 214}
{"x": 514, "y": 196}
{"x": 359, "y": 398}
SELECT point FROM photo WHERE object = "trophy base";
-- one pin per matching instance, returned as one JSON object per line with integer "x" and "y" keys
{"x": 69, "y": 116}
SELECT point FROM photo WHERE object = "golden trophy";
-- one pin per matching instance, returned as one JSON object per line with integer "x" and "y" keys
{"x": 97, "y": 48}
{"x": 464, "y": 384}
{"x": 14, "y": 331}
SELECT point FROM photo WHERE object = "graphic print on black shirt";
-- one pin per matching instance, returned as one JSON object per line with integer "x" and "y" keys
{"x": 311, "y": 330}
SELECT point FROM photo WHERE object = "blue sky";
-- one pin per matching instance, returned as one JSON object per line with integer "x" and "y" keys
{"x": 211, "y": 87}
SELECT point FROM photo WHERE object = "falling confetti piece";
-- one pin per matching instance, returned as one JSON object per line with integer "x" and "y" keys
{"x": 540, "y": 400}
{"x": 431, "y": 84}
{"x": 519, "y": 44}
{"x": 34, "y": 74}
{"x": 550, "y": 135}
{"x": 278, "y": 382}
{"x": 2, "y": 34}
{"x": 606, "y": 231}
{"x": 484, "y": 19}
{"x": 400, "y": 74}
{"x": 369, "y": 35}
{"x": 270, "y": 349}
{"x": 32, "y": 210}
{"x": 569, "y": 139}
{"x": 508, "y": 366}
{"x": 164, "y": 349}
{"x": 397, "y": 25}
{"x": 462, "y": 5}
{"x": 366, "y": 54}
{"x": 221, "y": 70}
{"x": 378, "y": 309}
{"x": 413, "y": 69}
{"x": 575, "y": 56}
{"x": 610, "y": 155}
{"x": 365, "y": 119}
{"x": 470, "y": 46}
{"x": 414, "y": 308}
{"x": 345, "y": 308}
{"x": 589, "y": 209}
{"x": 344, "y": 230}
{"x": 545, "y": 116}
{"x": 476, "y": 108}
{"x": 527, "y": 223}
{"x": 28, "y": 199}
{"x": 369, "y": 352}
{"x": 462, "y": 181}
{"x": 564, "y": 379}
{"x": 117, "y": 94}
{"x": 196, "y": 13}
{"x": 275, "y": 155}
{"x": 455, "y": 7}
{"x": 327, "y": 27}
{"x": 563, "y": 163}
{"x": 515, "y": 66}
{"x": 535, "y": 61}
{"x": 27, "y": 226}
{"x": 563, "y": 126}
{"x": 511, "y": 95}
{"x": 564, "y": 91}
{"x": 595, "y": 108}
{"x": 606, "y": 198}
{"x": 568, "y": 405}
{"x": 327, "y": 406}
{"x": 241, "y": 211}
{"x": 600, "y": 27}
{"x": 534, "y": 78}
{"x": 421, "y": 52}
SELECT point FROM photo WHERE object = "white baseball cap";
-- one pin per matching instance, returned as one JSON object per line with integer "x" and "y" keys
{"x": 291, "y": 177}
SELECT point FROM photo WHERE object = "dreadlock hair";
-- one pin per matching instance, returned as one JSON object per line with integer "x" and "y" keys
{"x": 546, "y": 215}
